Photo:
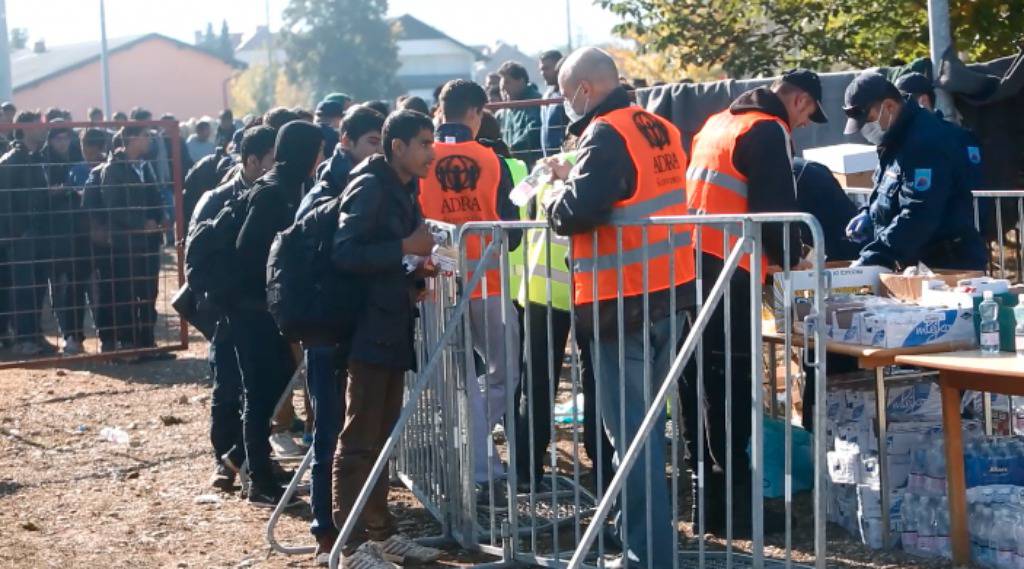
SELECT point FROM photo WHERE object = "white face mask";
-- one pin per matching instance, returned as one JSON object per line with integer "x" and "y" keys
{"x": 873, "y": 131}
{"x": 570, "y": 112}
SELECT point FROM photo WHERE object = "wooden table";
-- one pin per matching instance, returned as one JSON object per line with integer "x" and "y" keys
{"x": 868, "y": 358}
{"x": 1001, "y": 373}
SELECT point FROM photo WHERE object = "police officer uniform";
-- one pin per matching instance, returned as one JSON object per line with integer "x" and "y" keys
{"x": 921, "y": 208}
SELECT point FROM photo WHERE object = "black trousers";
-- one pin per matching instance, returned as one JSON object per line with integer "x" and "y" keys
{"x": 136, "y": 285}
{"x": 712, "y": 410}
{"x": 538, "y": 375}
{"x": 267, "y": 365}
{"x": 226, "y": 399}
{"x": 102, "y": 295}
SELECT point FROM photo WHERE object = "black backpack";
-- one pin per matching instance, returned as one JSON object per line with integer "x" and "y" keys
{"x": 210, "y": 261}
{"x": 310, "y": 300}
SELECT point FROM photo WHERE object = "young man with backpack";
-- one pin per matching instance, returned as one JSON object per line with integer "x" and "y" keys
{"x": 470, "y": 182}
{"x": 325, "y": 382}
{"x": 257, "y": 155}
{"x": 380, "y": 223}
{"x": 264, "y": 356}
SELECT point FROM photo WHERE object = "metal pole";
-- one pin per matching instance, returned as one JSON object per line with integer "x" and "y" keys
{"x": 5, "y": 55}
{"x": 940, "y": 39}
{"x": 568, "y": 26}
{"x": 104, "y": 60}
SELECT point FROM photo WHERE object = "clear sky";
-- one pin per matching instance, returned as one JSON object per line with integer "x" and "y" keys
{"x": 533, "y": 25}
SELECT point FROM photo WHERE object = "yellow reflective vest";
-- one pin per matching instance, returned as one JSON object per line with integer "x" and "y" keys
{"x": 542, "y": 267}
{"x": 515, "y": 257}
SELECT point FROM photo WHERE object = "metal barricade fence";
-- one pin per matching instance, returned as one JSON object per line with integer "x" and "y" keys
{"x": 998, "y": 215}
{"x": 551, "y": 506}
{"x": 87, "y": 265}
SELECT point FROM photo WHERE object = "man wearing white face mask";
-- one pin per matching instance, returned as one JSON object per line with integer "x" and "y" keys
{"x": 921, "y": 208}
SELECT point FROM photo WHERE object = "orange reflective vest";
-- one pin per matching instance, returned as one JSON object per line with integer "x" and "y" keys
{"x": 462, "y": 187}
{"x": 655, "y": 147}
{"x": 714, "y": 185}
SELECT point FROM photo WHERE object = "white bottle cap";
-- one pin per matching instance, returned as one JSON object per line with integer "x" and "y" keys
{"x": 987, "y": 295}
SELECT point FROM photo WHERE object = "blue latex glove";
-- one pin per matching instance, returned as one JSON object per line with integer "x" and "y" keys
{"x": 859, "y": 229}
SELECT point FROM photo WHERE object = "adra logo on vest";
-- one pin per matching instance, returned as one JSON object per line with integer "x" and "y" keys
{"x": 457, "y": 173}
{"x": 651, "y": 128}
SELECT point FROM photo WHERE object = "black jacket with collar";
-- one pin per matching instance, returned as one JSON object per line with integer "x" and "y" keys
{"x": 378, "y": 211}
{"x": 22, "y": 191}
{"x": 130, "y": 199}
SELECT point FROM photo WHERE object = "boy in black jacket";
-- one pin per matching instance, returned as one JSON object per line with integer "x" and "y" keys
{"x": 380, "y": 223}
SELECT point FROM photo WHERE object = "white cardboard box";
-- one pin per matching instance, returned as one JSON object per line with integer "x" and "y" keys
{"x": 917, "y": 327}
{"x": 845, "y": 158}
{"x": 846, "y": 280}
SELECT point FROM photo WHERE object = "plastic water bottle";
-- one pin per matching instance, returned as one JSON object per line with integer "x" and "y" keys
{"x": 926, "y": 528}
{"x": 943, "y": 548}
{"x": 989, "y": 311}
{"x": 908, "y": 514}
{"x": 936, "y": 471}
{"x": 1018, "y": 534}
{"x": 1018, "y": 331}
{"x": 1006, "y": 547}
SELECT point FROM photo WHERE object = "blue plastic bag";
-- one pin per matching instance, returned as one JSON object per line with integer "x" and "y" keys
{"x": 775, "y": 458}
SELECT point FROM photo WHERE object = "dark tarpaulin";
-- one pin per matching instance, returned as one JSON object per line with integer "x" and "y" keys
{"x": 988, "y": 95}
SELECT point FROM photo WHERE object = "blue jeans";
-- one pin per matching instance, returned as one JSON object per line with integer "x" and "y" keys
{"x": 634, "y": 511}
{"x": 326, "y": 388}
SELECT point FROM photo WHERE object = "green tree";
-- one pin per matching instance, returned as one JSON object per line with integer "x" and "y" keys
{"x": 761, "y": 37}
{"x": 341, "y": 45}
{"x": 225, "y": 49}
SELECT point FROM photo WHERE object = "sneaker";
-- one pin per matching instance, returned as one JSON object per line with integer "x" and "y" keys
{"x": 262, "y": 499}
{"x": 284, "y": 446}
{"x": 401, "y": 550}
{"x": 46, "y": 347}
{"x": 223, "y": 477}
{"x": 483, "y": 496}
{"x": 72, "y": 347}
{"x": 368, "y": 556}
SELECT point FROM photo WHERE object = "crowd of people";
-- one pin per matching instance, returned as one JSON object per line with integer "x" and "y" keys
{"x": 357, "y": 182}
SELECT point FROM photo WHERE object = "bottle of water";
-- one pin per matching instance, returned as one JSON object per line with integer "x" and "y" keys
{"x": 935, "y": 483}
{"x": 909, "y": 514}
{"x": 943, "y": 547}
{"x": 1006, "y": 547}
{"x": 1018, "y": 533}
{"x": 989, "y": 312}
{"x": 1018, "y": 331}
{"x": 975, "y": 522}
{"x": 926, "y": 528}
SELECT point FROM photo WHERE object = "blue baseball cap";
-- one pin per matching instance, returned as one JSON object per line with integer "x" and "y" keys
{"x": 866, "y": 89}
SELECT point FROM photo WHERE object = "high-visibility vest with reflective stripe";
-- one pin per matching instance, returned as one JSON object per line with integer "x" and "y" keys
{"x": 516, "y": 265}
{"x": 540, "y": 270}
{"x": 462, "y": 187}
{"x": 655, "y": 147}
{"x": 714, "y": 185}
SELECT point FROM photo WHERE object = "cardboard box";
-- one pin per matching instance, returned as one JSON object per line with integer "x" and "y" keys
{"x": 845, "y": 158}
{"x": 909, "y": 288}
{"x": 844, "y": 280}
{"x": 917, "y": 326}
{"x": 856, "y": 179}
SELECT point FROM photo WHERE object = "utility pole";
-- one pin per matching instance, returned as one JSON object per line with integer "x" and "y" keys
{"x": 940, "y": 39}
{"x": 5, "y": 55}
{"x": 104, "y": 61}
{"x": 568, "y": 26}
{"x": 270, "y": 36}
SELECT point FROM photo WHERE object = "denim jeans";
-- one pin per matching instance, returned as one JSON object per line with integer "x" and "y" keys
{"x": 325, "y": 384}
{"x": 265, "y": 359}
{"x": 622, "y": 397}
{"x": 226, "y": 399}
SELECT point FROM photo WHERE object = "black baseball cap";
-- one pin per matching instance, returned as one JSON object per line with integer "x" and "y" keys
{"x": 866, "y": 89}
{"x": 808, "y": 81}
{"x": 330, "y": 109}
{"x": 915, "y": 84}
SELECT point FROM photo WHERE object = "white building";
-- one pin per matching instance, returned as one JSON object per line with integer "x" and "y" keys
{"x": 428, "y": 58}
{"x": 501, "y": 52}
{"x": 252, "y": 49}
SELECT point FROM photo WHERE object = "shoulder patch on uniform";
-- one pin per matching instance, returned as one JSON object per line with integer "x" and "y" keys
{"x": 922, "y": 179}
{"x": 974, "y": 154}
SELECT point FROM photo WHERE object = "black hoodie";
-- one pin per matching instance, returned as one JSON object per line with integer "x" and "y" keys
{"x": 378, "y": 211}
{"x": 273, "y": 201}
{"x": 763, "y": 156}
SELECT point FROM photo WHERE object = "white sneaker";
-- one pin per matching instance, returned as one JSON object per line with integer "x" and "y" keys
{"x": 72, "y": 347}
{"x": 368, "y": 556}
{"x": 284, "y": 445}
{"x": 404, "y": 551}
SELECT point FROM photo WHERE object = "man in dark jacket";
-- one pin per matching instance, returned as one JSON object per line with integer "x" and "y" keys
{"x": 921, "y": 209}
{"x": 23, "y": 196}
{"x": 742, "y": 155}
{"x": 328, "y": 118}
{"x": 264, "y": 356}
{"x": 360, "y": 139}
{"x": 819, "y": 194}
{"x": 133, "y": 215}
{"x": 379, "y": 225}
{"x": 552, "y": 117}
{"x": 257, "y": 156}
{"x": 206, "y": 174}
{"x": 520, "y": 127}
